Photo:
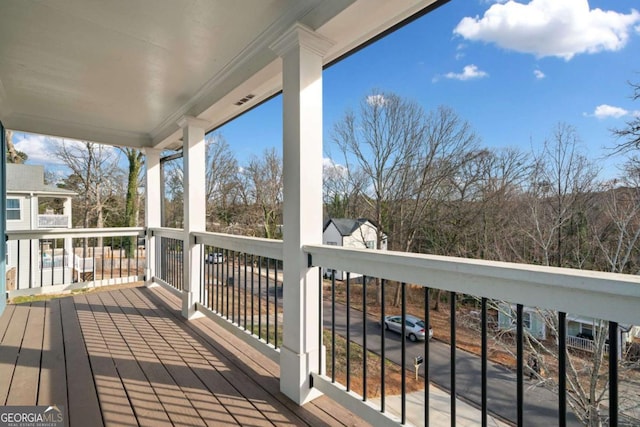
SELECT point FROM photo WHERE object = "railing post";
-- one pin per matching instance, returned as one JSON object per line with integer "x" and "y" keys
{"x": 301, "y": 50}
{"x": 152, "y": 209}
{"x": 194, "y": 209}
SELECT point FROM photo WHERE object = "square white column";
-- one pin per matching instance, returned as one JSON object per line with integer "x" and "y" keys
{"x": 301, "y": 50}
{"x": 153, "y": 208}
{"x": 194, "y": 157}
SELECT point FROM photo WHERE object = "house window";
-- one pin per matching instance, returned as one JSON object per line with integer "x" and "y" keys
{"x": 14, "y": 213}
{"x": 526, "y": 320}
{"x": 370, "y": 244}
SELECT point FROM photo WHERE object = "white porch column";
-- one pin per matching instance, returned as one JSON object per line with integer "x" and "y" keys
{"x": 66, "y": 210}
{"x": 301, "y": 51}
{"x": 152, "y": 209}
{"x": 194, "y": 178}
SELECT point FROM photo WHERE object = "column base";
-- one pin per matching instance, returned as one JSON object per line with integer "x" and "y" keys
{"x": 189, "y": 310}
{"x": 295, "y": 381}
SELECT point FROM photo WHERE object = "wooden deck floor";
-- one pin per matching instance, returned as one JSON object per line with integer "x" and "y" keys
{"x": 125, "y": 357}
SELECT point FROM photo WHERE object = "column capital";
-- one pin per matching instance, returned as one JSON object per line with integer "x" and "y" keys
{"x": 185, "y": 121}
{"x": 301, "y": 36}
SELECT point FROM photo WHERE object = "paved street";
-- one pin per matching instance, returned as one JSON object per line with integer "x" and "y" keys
{"x": 540, "y": 404}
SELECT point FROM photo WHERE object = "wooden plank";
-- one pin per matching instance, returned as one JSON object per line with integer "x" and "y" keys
{"x": 143, "y": 341}
{"x": 143, "y": 401}
{"x": 194, "y": 374}
{"x": 5, "y": 319}
{"x": 244, "y": 358}
{"x": 24, "y": 387}
{"x": 52, "y": 389}
{"x": 227, "y": 379}
{"x": 83, "y": 399}
{"x": 114, "y": 403}
{"x": 10, "y": 348}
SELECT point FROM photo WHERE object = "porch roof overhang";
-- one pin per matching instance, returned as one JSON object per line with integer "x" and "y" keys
{"x": 124, "y": 73}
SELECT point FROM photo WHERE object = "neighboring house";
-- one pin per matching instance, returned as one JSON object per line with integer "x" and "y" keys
{"x": 351, "y": 233}
{"x": 532, "y": 320}
{"x": 581, "y": 330}
{"x": 33, "y": 205}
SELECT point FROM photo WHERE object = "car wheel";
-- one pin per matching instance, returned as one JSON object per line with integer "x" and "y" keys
{"x": 413, "y": 338}
{"x": 386, "y": 326}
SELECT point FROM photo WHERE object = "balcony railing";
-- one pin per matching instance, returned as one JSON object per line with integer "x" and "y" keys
{"x": 584, "y": 344}
{"x": 241, "y": 287}
{"x": 53, "y": 221}
{"x": 62, "y": 260}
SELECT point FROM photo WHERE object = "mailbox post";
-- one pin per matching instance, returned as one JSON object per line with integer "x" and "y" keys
{"x": 416, "y": 363}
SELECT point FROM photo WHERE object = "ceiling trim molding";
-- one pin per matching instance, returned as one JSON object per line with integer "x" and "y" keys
{"x": 301, "y": 36}
{"x": 191, "y": 121}
{"x": 82, "y": 132}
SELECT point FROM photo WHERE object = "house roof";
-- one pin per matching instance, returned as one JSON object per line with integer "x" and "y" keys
{"x": 346, "y": 226}
{"x": 30, "y": 179}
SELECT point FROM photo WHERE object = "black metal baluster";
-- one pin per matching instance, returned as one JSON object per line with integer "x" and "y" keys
{"x": 484, "y": 357}
{"x": 245, "y": 292}
{"x": 348, "y": 350}
{"x": 252, "y": 291}
{"x": 275, "y": 286}
{"x": 364, "y": 338}
{"x": 520, "y": 364}
{"x": 427, "y": 359}
{"x": 562, "y": 369}
{"x": 233, "y": 287}
{"x": 321, "y": 318}
{"x": 268, "y": 311}
{"x": 333, "y": 326}
{"x": 121, "y": 247}
{"x": 225, "y": 274}
{"x": 259, "y": 297}
{"x": 452, "y": 308}
{"x": 403, "y": 367}
{"x": 383, "y": 356}
{"x": 613, "y": 373}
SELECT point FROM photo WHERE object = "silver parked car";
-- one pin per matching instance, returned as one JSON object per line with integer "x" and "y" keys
{"x": 415, "y": 328}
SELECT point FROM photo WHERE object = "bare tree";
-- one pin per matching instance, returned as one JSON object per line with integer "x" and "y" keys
{"x": 262, "y": 191}
{"x": 562, "y": 182}
{"x": 222, "y": 179}
{"x": 630, "y": 135}
{"x": 96, "y": 177}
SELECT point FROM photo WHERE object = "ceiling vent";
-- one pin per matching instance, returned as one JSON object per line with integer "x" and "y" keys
{"x": 245, "y": 99}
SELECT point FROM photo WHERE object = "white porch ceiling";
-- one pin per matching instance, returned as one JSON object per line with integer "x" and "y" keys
{"x": 122, "y": 72}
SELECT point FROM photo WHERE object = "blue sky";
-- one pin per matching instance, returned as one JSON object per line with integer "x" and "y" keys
{"x": 513, "y": 69}
{"x": 513, "y": 83}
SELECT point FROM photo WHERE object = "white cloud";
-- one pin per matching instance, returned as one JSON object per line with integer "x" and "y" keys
{"x": 604, "y": 111}
{"x": 468, "y": 72}
{"x": 550, "y": 27}
{"x": 39, "y": 148}
{"x": 377, "y": 100}
{"x": 539, "y": 74}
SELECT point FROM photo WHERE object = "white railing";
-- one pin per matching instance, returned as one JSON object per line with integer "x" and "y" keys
{"x": 56, "y": 261}
{"x": 609, "y": 296}
{"x": 53, "y": 221}
{"x": 584, "y": 344}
